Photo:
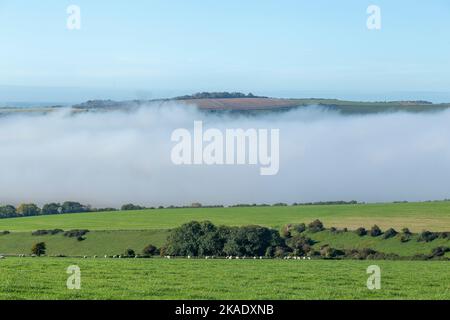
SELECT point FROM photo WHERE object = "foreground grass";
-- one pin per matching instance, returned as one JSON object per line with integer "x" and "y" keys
{"x": 434, "y": 216}
{"x": 45, "y": 278}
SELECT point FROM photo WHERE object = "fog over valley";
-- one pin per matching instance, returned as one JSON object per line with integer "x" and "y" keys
{"x": 112, "y": 158}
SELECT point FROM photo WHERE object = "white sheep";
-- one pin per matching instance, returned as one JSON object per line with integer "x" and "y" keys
{"x": 95, "y": 257}
{"x": 189, "y": 257}
{"x": 106, "y": 256}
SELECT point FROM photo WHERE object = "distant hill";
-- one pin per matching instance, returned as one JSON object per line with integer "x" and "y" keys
{"x": 240, "y": 102}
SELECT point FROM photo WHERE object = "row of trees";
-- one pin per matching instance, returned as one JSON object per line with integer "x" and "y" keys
{"x": 31, "y": 209}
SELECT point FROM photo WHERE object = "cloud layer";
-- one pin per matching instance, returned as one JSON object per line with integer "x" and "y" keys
{"x": 107, "y": 159}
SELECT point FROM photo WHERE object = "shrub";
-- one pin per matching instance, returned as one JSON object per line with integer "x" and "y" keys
{"x": 316, "y": 226}
{"x": 444, "y": 235}
{"x": 406, "y": 231}
{"x": 46, "y": 232}
{"x": 439, "y": 251}
{"x": 129, "y": 253}
{"x": 375, "y": 231}
{"x": 150, "y": 250}
{"x": 76, "y": 233}
{"x": 390, "y": 233}
{"x": 361, "y": 231}
{"x": 299, "y": 228}
{"x": 130, "y": 206}
{"x": 427, "y": 236}
{"x": 5, "y": 232}
{"x": 405, "y": 238}
{"x": 38, "y": 248}
{"x": 331, "y": 253}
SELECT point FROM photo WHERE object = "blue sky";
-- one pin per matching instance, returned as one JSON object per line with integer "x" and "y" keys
{"x": 146, "y": 49}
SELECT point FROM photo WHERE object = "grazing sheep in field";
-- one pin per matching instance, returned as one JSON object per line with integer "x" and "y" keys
{"x": 106, "y": 256}
{"x": 168, "y": 257}
{"x": 2, "y": 257}
{"x": 254, "y": 258}
{"x": 309, "y": 258}
{"x": 237, "y": 257}
{"x": 136, "y": 256}
{"x": 120, "y": 257}
{"x": 260, "y": 258}
{"x": 84, "y": 257}
{"x": 114, "y": 256}
{"x": 304, "y": 258}
{"x": 95, "y": 257}
{"x": 189, "y": 257}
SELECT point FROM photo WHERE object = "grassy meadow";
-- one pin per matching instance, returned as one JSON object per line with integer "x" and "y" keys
{"x": 433, "y": 216}
{"x": 111, "y": 233}
{"x": 45, "y": 278}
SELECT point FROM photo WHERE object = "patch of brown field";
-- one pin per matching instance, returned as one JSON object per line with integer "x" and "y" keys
{"x": 241, "y": 103}
{"x": 414, "y": 224}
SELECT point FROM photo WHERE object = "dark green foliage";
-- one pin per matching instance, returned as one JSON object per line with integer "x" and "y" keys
{"x": 251, "y": 241}
{"x": 129, "y": 253}
{"x": 76, "y": 234}
{"x": 130, "y": 206}
{"x": 375, "y": 231}
{"x": 427, "y": 236}
{"x": 406, "y": 231}
{"x": 28, "y": 209}
{"x": 73, "y": 207}
{"x": 38, "y": 248}
{"x": 361, "y": 231}
{"x": 7, "y": 211}
{"x": 5, "y": 232}
{"x": 150, "y": 250}
{"x": 205, "y": 239}
{"x": 46, "y": 232}
{"x": 328, "y": 252}
{"x": 439, "y": 251}
{"x": 316, "y": 226}
{"x": 390, "y": 233}
{"x": 51, "y": 208}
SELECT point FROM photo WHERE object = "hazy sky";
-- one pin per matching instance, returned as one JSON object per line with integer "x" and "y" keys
{"x": 145, "y": 49}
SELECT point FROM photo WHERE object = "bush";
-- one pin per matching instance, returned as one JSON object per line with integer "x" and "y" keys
{"x": 46, "y": 232}
{"x": 76, "y": 233}
{"x": 331, "y": 253}
{"x": 405, "y": 238}
{"x": 299, "y": 228}
{"x": 316, "y": 226}
{"x": 150, "y": 250}
{"x": 130, "y": 206}
{"x": 444, "y": 235}
{"x": 361, "y": 231}
{"x": 439, "y": 251}
{"x": 427, "y": 236}
{"x": 38, "y": 248}
{"x": 375, "y": 231}
{"x": 390, "y": 233}
{"x": 129, "y": 253}
{"x": 406, "y": 231}
{"x": 5, "y": 232}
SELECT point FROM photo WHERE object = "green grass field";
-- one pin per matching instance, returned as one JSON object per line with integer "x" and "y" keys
{"x": 45, "y": 278}
{"x": 434, "y": 216}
